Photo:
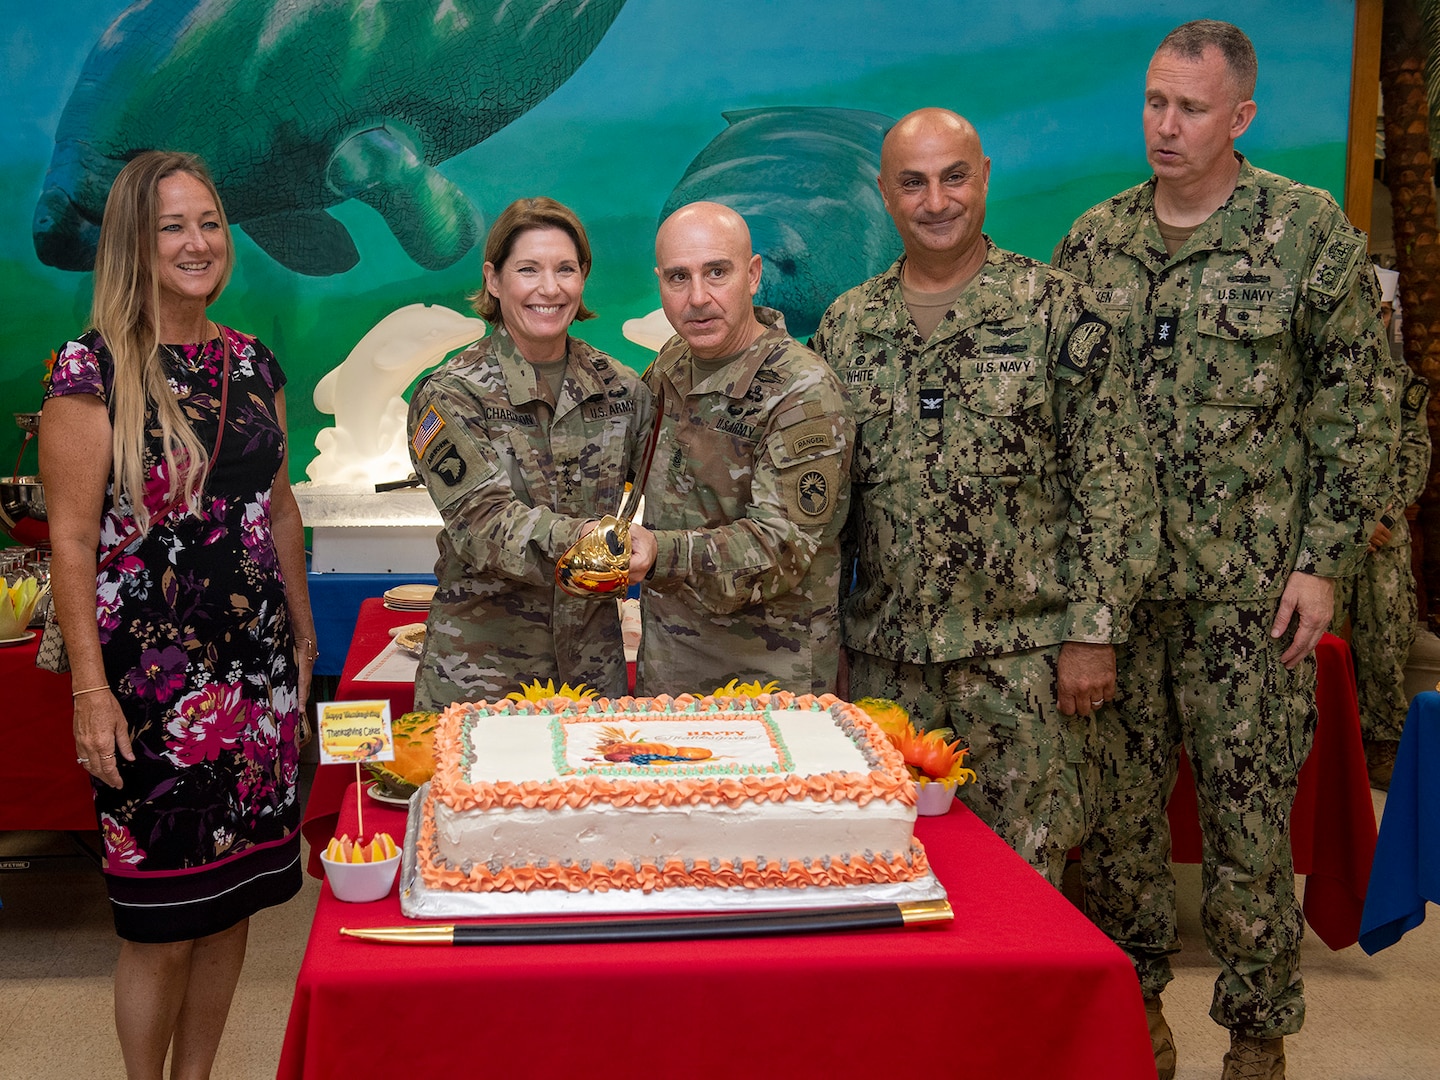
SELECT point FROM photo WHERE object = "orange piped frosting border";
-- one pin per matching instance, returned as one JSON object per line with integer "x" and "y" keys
{"x": 674, "y": 873}
{"x": 887, "y": 779}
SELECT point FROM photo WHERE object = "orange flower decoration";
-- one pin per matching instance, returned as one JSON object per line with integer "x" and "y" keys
{"x": 928, "y": 756}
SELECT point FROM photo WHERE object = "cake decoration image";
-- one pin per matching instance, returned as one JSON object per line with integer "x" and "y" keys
{"x": 693, "y": 743}
{"x": 617, "y": 744}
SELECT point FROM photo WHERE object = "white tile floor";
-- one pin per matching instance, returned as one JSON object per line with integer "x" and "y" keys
{"x": 1370, "y": 1018}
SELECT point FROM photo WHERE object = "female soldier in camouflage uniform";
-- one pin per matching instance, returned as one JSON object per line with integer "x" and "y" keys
{"x": 521, "y": 440}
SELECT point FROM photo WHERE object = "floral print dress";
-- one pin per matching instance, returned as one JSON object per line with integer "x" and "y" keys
{"x": 195, "y": 634}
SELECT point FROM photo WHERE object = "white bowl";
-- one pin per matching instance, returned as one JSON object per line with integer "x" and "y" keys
{"x": 361, "y": 882}
{"x": 934, "y": 797}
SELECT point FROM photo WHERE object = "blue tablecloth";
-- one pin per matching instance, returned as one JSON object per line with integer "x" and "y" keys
{"x": 1406, "y": 872}
{"x": 335, "y": 600}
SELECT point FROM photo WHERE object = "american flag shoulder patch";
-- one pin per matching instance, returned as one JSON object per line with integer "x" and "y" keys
{"x": 430, "y": 425}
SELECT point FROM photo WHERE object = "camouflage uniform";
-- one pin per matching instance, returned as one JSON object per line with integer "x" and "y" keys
{"x": 1380, "y": 600}
{"x": 1003, "y": 505}
{"x": 514, "y": 479}
{"x": 747, "y": 493}
{"x": 1268, "y": 395}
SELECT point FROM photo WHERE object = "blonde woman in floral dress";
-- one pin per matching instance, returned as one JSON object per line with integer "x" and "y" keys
{"x": 191, "y": 651}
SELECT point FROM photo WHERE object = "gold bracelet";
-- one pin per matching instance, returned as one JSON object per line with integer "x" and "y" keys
{"x": 89, "y": 690}
{"x": 313, "y": 652}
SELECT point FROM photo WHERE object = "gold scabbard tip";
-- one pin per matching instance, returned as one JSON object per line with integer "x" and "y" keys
{"x": 405, "y": 935}
{"x": 916, "y": 912}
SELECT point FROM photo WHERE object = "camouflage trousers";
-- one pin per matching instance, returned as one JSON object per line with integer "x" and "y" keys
{"x": 1208, "y": 675}
{"x": 1380, "y": 603}
{"x": 1034, "y": 767}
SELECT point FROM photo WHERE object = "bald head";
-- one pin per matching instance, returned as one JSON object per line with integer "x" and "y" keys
{"x": 934, "y": 177}
{"x": 929, "y": 123}
{"x": 708, "y": 278}
{"x": 715, "y": 221}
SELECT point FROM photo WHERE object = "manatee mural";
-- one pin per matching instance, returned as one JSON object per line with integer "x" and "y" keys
{"x": 297, "y": 107}
{"x": 804, "y": 180}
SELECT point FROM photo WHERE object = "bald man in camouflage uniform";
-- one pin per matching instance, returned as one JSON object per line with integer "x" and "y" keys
{"x": 1003, "y": 507}
{"x": 1249, "y": 315}
{"x": 1380, "y": 600}
{"x": 750, "y": 481}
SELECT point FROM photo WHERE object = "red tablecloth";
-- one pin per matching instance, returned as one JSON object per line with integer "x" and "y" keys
{"x": 41, "y": 787}
{"x": 1332, "y": 824}
{"x": 1020, "y": 985}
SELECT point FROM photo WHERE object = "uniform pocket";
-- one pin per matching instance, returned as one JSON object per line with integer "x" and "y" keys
{"x": 1005, "y": 429}
{"x": 876, "y": 451}
{"x": 1241, "y": 322}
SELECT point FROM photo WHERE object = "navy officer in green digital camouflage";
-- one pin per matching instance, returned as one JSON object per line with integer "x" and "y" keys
{"x": 1002, "y": 503}
{"x": 1247, "y": 315}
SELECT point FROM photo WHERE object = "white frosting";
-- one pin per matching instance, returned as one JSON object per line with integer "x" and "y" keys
{"x": 793, "y": 829}
{"x": 518, "y": 748}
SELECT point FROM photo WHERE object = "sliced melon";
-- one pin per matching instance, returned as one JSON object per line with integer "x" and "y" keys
{"x": 414, "y": 763}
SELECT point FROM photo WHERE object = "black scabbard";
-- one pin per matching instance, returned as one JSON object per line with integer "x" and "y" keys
{"x": 666, "y": 927}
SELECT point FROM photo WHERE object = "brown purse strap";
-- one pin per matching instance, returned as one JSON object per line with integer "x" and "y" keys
{"x": 129, "y": 538}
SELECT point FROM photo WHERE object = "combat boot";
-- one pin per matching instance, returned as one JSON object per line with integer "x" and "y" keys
{"x": 1254, "y": 1059}
{"x": 1161, "y": 1040}
{"x": 1380, "y": 762}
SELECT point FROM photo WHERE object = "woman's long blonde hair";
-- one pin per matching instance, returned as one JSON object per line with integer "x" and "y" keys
{"x": 125, "y": 312}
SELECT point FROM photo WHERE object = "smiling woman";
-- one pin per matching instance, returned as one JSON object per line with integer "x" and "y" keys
{"x": 523, "y": 441}
{"x": 191, "y": 643}
{"x": 538, "y": 288}
{"x": 192, "y": 252}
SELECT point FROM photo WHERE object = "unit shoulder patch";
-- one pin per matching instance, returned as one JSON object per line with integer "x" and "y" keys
{"x": 1088, "y": 344}
{"x": 1417, "y": 392}
{"x": 447, "y": 464}
{"x": 1333, "y": 268}
{"x": 810, "y": 489}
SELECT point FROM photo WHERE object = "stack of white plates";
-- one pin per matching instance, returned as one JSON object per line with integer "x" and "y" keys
{"x": 409, "y": 597}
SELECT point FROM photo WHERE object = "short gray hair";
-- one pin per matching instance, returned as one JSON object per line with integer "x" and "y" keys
{"x": 1192, "y": 39}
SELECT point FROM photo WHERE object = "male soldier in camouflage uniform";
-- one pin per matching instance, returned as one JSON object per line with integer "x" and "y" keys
{"x": 750, "y": 481}
{"x": 1249, "y": 314}
{"x": 1380, "y": 600}
{"x": 1004, "y": 509}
